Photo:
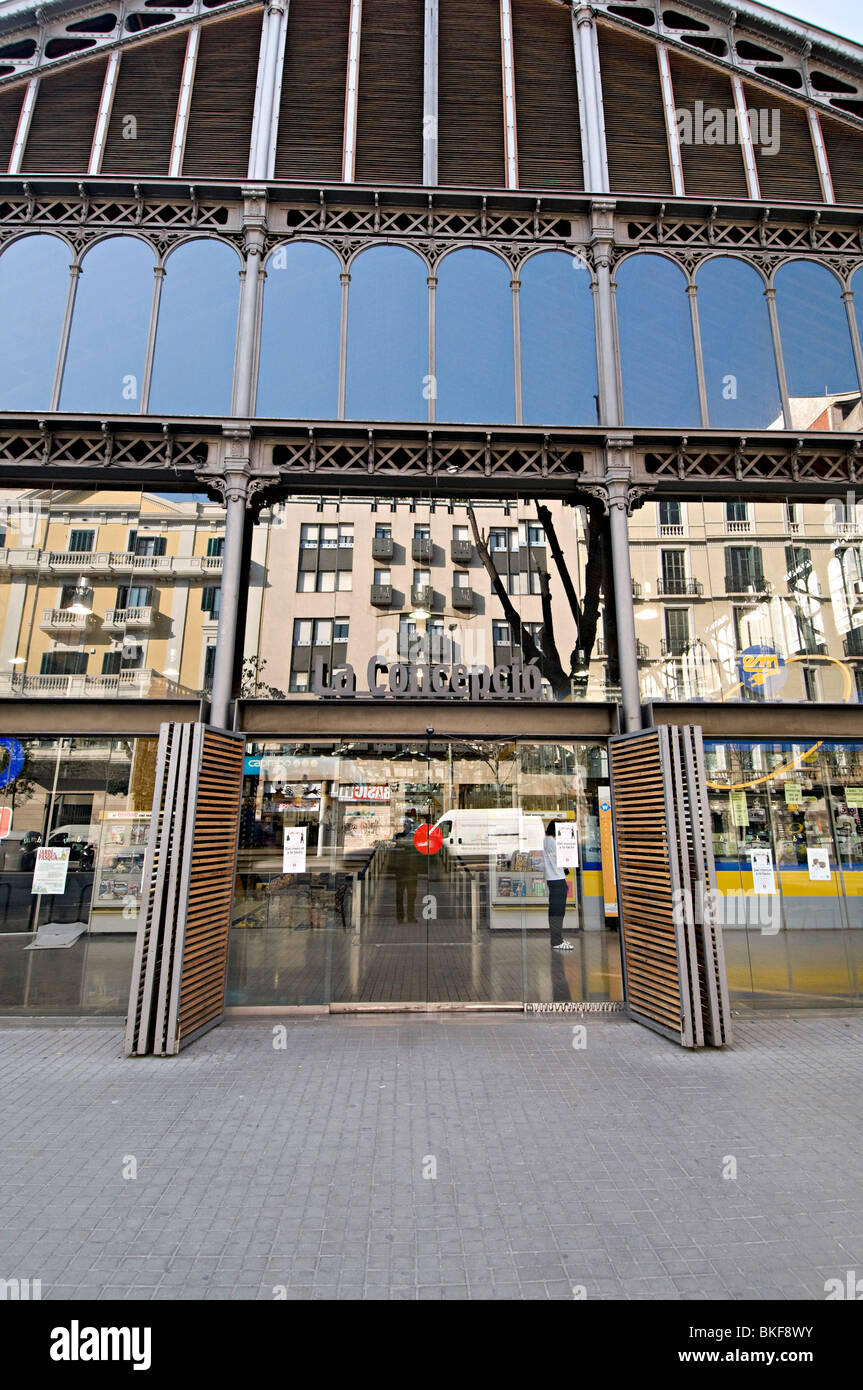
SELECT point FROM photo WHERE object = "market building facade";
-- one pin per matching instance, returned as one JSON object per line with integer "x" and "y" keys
{"x": 435, "y": 398}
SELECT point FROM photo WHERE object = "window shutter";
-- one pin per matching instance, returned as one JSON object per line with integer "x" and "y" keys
{"x": 10, "y": 109}
{"x": 470, "y": 94}
{"x": 756, "y": 570}
{"x": 634, "y": 120}
{"x": 390, "y": 112}
{"x": 148, "y": 88}
{"x": 64, "y": 119}
{"x": 790, "y": 174}
{"x": 223, "y": 99}
{"x": 708, "y": 170}
{"x": 844, "y": 146}
{"x": 546, "y": 97}
{"x": 312, "y": 108}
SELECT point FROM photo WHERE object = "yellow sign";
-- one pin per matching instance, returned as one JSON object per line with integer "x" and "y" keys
{"x": 760, "y": 666}
{"x": 606, "y": 852}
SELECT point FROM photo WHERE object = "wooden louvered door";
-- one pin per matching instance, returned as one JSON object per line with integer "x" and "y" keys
{"x": 178, "y": 978}
{"x": 546, "y": 97}
{"x": 390, "y": 112}
{"x": 672, "y": 950}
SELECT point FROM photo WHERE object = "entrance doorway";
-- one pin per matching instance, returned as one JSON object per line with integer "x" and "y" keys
{"x": 417, "y": 875}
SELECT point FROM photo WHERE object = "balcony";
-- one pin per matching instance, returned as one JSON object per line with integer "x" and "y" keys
{"x": 462, "y": 597}
{"x": 738, "y": 528}
{"x": 65, "y": 624}
{"x": 756, "y": 591}
{"x": 421, "y": 549}
{"x": 461, "y": 552}
{"x": 382, "y": 595}
{"x": 422, "y": 595}
{"x": 689, "y": 588}
{"x": 130, "y": 619}
{"x": 126, "y": 562}
{"x": 674, "y": 646}
{"x": 127, "y": 684}
{"x": 600, "y": 650}
{"x": 670, "y": 532}
{"x": 78, "y": 561}
{"x": 636, "y": 589}
{"x": 383, "y": 548}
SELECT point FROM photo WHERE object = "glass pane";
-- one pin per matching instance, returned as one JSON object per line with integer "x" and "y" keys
{"x": 197, "y": 329}
{"x": 34, "y": 284}
{"x": 474, "y": 339}
{"x": 299, "y": 369}
{"x": 816, "y": 346}
{"x": 558, "y": 355}
{"x": 133, "y": 615}
{"x": 387, "y": 370}
{"x": 89, "y": 801}
{"x": 739, "y": 363}
{"x": 660, "y": 386}
{"x": 110, "y": 323}
{"x": 774, "y": 598}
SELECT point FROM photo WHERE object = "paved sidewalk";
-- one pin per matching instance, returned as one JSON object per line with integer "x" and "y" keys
{"x": 302, "y": 1169}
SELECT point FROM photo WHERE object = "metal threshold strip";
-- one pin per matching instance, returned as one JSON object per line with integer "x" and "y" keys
{"x": 408, "y": 1007}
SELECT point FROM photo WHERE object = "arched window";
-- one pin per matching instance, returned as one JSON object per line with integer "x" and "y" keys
{"x": 193, "y": 363}
{"x": 107, "y": 351}
{"x": 299, "y": 371}
{"x": 660, "y": 385}
{"x": 474, "y": 352}
{"x": 816, "y": 346}
{"x": 558, "y": 350}
{"x": 34, "y": 284}
{"x": 740, "y": 373}
{"x": 387, "y": 371}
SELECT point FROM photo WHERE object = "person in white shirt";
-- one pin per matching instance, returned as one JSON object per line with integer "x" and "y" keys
{"x": 557, "y": 888}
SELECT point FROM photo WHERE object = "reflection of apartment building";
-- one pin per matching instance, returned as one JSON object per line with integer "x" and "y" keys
{"x": 108, "y": 593}
{"x": 403, "y": 582}
{"x": 714, "y": 580}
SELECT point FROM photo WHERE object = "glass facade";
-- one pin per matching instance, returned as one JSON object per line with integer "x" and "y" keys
{"x": 76, "y": 812}
{"x": 796, "y": 937}
{"x": 423, "y": 876}
{"x": 107, "y": 593}
{"x": 470, "y": 337}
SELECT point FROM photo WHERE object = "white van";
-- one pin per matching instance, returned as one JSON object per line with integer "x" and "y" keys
{"x": 491, "y": 831}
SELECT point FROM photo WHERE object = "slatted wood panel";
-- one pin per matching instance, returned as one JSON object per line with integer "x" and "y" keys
{"x": 178, "y": 976}
{"x": 11, "y": 100}
{"x": 654, "y": 954}
{"x": 844, "y": 147}
{"x": 713, "y": 976}
{"x": 546, "y": 95}
{"x": 211, "y": 882}
{"x": 636, "y": 138}
{"x": 470, "y": 94}
{"x": 312, "y": 106}
{"x": 390, "y": 113}
{"x": 791, "y": 174}
{"x": 708, "y": 170}
{"x": 64, "y": 119}
{"x": 223, "y": 98}
{"x": 148, "y": 88}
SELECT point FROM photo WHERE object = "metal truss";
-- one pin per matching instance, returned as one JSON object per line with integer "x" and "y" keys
{"x": 354, "y": 458}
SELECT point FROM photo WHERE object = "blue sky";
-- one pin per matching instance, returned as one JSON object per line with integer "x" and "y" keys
{"x": 843, "y": 17}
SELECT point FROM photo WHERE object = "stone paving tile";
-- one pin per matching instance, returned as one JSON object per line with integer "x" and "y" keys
{"x": 300, "y": 1173}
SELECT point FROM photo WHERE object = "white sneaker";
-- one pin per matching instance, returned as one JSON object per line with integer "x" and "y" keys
{"x": 563, "y": 946}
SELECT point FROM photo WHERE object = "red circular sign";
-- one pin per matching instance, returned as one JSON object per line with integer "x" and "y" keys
{"x": 428, "y": 840}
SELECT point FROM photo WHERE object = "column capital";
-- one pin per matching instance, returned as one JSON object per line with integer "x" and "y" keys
{"x": 583, "y": 14}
